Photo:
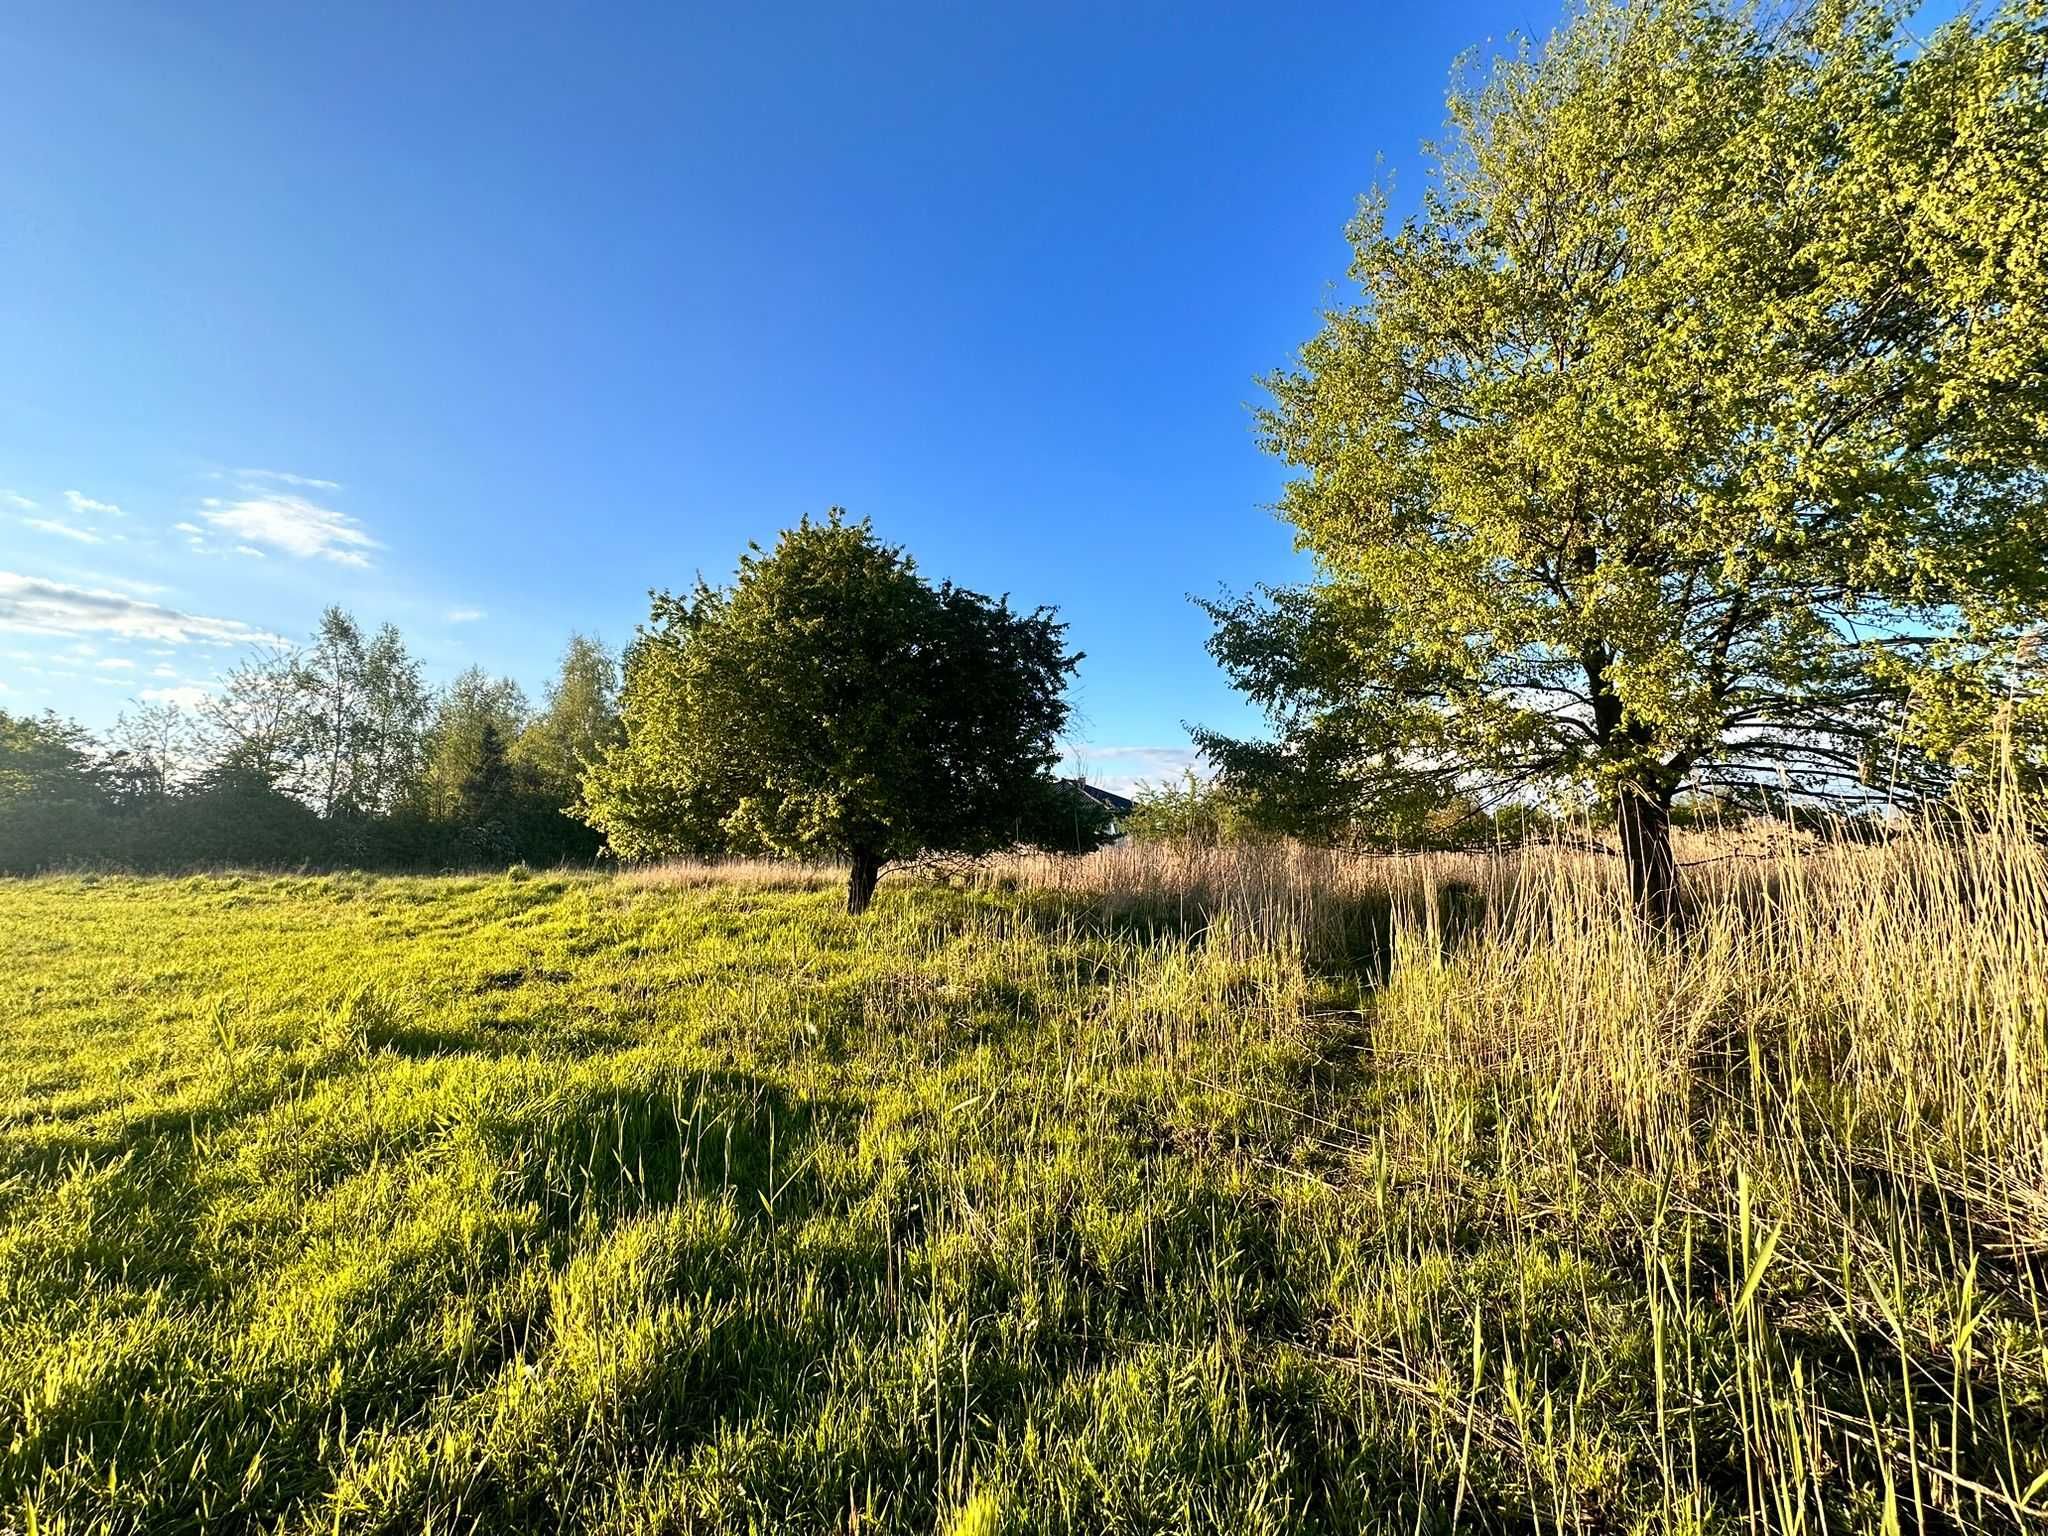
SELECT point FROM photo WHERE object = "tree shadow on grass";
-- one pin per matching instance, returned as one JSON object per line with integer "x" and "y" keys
{"x": 615, "y": 1152}
{"x": 1348, "y": 939}
{"x": 59, "y": 1146}
{"x": 576, "y": 1171}
{"x": 731, "y": 1137}
{"x": 770, "y": 1384}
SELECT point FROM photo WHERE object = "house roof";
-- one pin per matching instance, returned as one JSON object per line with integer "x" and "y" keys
{"x": 1107, "y": 799}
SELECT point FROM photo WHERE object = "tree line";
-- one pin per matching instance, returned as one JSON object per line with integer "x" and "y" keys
{"x": 334, "y": 752}
{"x": 832, "y": 704}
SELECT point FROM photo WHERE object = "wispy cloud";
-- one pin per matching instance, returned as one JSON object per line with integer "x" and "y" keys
{"x": 251, "y": 551}
{"x": 119, "y": 583}
{"x": 1125, "y": 768}
{"x": 64, "y": 530}
{"x": 85, "y": 506}
{"x": 34, "y": 606}
{"x": 16, "y": 500}
{"x": 292, "y": 525}
{"x": 185, "y": 696}
{"x": 466, "y": 615}
{"x": 284, "y": 477}
{"x": 115, "y": 664}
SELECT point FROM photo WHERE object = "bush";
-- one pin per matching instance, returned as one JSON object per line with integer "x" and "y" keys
{"x": 1196, "y": 812}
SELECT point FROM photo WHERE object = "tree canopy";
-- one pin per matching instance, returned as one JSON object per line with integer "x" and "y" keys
{"x": 1193, "y": 812}
{"x": 578, "y": 719}
{"x": 832, "y": 703}
{"x": 473, "y": 703}
{"x": 328, "y": 753}
{"x": 1690, "y": 436}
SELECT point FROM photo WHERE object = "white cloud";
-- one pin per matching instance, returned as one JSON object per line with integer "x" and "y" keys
{"x": 64, "y": 530}
{"x": 282, "y": 477}
{"x": 115, "y": 664}
{"x": 84, "y": 505}
{"x": 160, "y": 670}
{"x": 16, "y": 500}
{"x": 121, "y": 583}
{"x": 191, "y": 528}
{"x": 189, "y": 696}
{"x": 1124, "y": 769}
{"x": 465, "y": 615}
{"x": 34, "y": 606}
{"x": 295, "y": 526}
{"x": 251, "y": 551}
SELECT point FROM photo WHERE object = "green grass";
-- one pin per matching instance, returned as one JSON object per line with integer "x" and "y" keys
{"x": 524, "y": 1203}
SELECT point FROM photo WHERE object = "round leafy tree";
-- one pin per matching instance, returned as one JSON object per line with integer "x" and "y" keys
{"x": 832, "y": 703}
{"x": 1688, "y": 439}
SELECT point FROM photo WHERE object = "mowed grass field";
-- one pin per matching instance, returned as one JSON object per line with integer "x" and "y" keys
{"x": 1253, "y": 1193}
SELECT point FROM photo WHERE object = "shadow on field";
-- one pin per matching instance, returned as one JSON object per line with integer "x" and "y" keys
{"x": 66, "y": 1142}
{"x": 668, "y": 1215}
{"x": 1347, "y": 939}
{"x": 614, "y": 1151}
{"x": 619, "y": 1208}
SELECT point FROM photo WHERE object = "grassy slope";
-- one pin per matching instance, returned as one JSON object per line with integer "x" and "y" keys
{"x": 397, "y": 1204}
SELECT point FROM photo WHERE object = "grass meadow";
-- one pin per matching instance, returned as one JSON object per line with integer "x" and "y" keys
{"x": 1255, "y": 1192}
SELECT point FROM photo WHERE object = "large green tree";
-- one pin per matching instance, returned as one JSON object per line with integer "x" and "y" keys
{"x": 1690, "y": 436}
{"x": 578, "y": 719}
{"x": 473, "y": 703}
{"x": 833, "y": 703}
{"x": 341, "y": 722}
{"x": 56, "y": 790}
{"x": 257, "y": 724}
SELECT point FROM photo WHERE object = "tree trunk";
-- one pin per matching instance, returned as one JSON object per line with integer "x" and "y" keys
{"x": 860, "y": 884}
{"x": 1645, "y": 820}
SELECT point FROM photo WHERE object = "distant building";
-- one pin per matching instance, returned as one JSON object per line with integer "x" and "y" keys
{"x": 1116, "y": 805}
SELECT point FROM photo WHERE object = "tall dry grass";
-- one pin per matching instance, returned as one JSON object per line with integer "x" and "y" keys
{"x": 1788, "y": 1165}
{"x": 1908, "y": 973}
{"x": 1903, "y": 980}
{"x": 1832, "y": 1083}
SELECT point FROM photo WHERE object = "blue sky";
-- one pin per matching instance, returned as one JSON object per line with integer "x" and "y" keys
{"x": 485, "y": 319}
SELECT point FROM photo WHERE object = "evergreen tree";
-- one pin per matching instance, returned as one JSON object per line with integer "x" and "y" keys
{"x": 473, "y": 702}
{"x": 489, "y": 783}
